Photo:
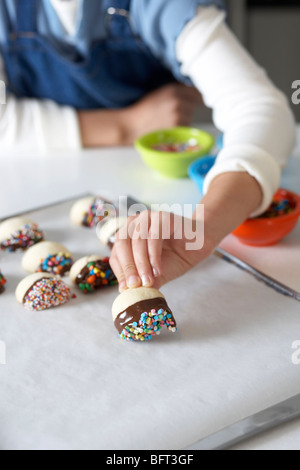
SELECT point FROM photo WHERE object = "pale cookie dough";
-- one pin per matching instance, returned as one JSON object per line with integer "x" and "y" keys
{"x": 140, "y": 314}
{"x": 92, "y": 273}
{"x": 19, "y": 233}
{"x": 109, "y": 228}
{"x": 87, "y": 212}
{"x": 41, "y": 291}
{"x": 48, "y": 257}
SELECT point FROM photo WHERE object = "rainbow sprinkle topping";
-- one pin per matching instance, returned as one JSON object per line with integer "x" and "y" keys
{"x": 148, "y": 326}
{"x": 47, "y": 293}
{"x": 59, "y": 264}
{"x": 178, "y": 147}
{"x": 96, "y": 213}
{"x": 278, "y": 208}
{"x": 27, "y": 236}
{"x": 2, "y": 282}
{"x": 96, "y": 275}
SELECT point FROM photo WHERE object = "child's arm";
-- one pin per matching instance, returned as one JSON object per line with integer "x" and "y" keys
{"x": 259, "y": 136}
{"x": 254, "y": 115}
{"x": 231, "y": 198}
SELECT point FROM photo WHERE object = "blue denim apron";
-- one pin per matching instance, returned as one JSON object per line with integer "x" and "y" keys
{"x": 116, "y": 71}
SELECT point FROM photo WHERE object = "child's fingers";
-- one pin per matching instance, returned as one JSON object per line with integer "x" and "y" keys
{"x": 141, "y": 258}
{"x": 125, "y": 260}
{"x": 155, "y": 248}
{"x": 136, "y": 257}
{"x": 119, "y": 273}
{"x": 155, "y": 244}
{"x": 125, "y": 264}
{"x": 140, "y": 236}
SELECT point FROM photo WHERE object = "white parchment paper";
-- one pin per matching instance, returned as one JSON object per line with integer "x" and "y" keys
{"x": 70, "y": 383}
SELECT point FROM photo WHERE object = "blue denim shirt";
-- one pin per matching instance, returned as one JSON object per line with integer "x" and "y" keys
{"x": 121, "y": 50}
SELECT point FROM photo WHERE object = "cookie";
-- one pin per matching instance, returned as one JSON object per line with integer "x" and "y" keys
{"x": 2, "y": 283}
{"x": 91, "y": 273}
{"x": 48, "y": 257}
{"x": 140, "y": 314}
{"x": 19, "y": 233}
{"x": 41, "y": 291}
{"x": 109, "y": 228}
{"x": 87, "y": 212}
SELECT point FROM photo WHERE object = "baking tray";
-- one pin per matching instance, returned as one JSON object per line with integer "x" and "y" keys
{"x": 71, "y": 383}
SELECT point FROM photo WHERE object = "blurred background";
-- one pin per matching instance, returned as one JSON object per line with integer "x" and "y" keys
{"x": 270, "y": 30}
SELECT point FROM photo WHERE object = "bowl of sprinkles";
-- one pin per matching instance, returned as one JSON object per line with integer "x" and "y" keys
{"x": 171, "y": 151}
{"x": 275, "y": 224}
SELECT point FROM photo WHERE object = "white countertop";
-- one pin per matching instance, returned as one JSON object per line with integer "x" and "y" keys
{"x": 31, "y": 181}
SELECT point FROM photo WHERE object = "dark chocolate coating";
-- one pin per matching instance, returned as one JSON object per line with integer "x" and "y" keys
{"x": 65, "y": 269}
{"x": 102, "y": 266}
{"x": 133, "y": 313}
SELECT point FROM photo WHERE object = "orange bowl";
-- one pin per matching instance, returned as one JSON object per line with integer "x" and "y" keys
{"x": 265, "y": 231}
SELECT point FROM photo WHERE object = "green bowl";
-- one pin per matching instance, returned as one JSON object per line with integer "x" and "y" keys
{"x": 173, "y": 164}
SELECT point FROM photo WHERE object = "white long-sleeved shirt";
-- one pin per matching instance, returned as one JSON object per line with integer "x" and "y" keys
{"x": 255, "y": 116}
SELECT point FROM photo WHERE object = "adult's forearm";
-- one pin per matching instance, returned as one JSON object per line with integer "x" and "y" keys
{"x": 103, "y": 128}
{"x": 169, "y": 106}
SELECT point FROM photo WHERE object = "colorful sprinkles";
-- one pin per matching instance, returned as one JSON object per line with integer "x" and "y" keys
{"x": 59, "y": 264}
{"x": 148, "y": 326}
{"x": 47, "y": 293}
{"x": 173, "y": 147}
{"x": 278, "y": 208}
{"x": 27, "y": 236}
{"x": 96, "y": 213}
{"x": 2, "y": 283}
{"x": 96, "y": 275}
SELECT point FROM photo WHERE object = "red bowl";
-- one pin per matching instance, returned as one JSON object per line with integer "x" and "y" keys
{"x": 269, "y": 231}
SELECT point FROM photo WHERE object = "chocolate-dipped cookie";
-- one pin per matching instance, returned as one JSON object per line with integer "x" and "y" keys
{"x": 48, "y": 257}
{"x": 2, "y": 283}
{"x": 139, "y": 314}
{"x": 87, "y": 212}
{"x": 91, "y": 273}
{"x": 41, "y": 291}
{"x": 19, "y": 233}
{"x": 108, "y": 229}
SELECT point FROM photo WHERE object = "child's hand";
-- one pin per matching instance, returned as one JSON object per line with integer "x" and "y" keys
{"x": 152, "y": 249}
{"x": 170, "y": 106}
{"x": 147, "y": 253}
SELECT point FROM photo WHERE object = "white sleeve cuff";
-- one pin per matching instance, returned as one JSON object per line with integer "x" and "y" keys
{"x": 256, "y": 162}
{"x": 43, "y": 125}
